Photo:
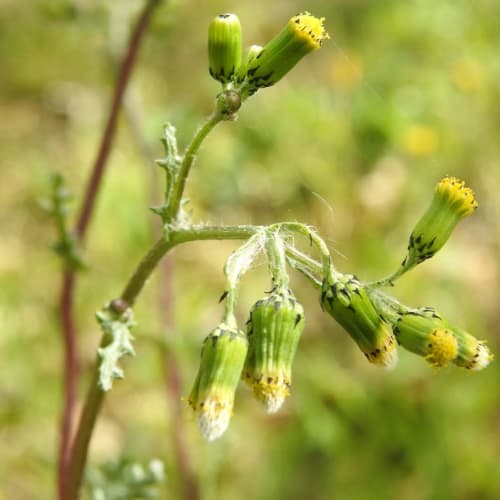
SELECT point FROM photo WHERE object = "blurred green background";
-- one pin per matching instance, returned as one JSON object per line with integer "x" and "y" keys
{"x": 353, "y": 142}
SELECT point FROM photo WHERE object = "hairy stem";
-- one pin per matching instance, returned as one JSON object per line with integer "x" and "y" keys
{"x": 132, "y": 289}
{"x": 67, "y": 289}
{"x": 187, "y": 162}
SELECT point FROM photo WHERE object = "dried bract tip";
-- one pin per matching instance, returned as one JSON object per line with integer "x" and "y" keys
{"x": 302, "y": 34}
{"x": 212, "y": 397}
{"x": 346, "y": 300}
{"x": 214, "y": 416}
{"x": 224, "y": 47}
{"x": 473, "y": 354}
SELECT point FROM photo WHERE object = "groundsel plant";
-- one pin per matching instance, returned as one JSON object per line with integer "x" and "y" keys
{"x": 261, "y": 352}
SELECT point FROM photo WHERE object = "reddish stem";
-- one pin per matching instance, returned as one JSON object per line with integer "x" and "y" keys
{"x": 70, "y": 374}
{"x": 69, "y": 279}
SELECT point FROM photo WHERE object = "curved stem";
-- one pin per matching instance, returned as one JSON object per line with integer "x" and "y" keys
{"x": 316, "y": 240}
{"x": 132, "y": 289}
{"x": 144, "y": 270}
{"x": 180, "y": 182}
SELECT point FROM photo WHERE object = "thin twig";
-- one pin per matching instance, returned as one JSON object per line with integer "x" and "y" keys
{"x": 69, "y": 278}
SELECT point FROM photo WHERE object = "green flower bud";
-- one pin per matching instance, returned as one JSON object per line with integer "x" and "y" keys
{"x": 252, "y": 52}
{"x": 274, "y": 329}
{"x": 423, "y": 332}
{"x": 212, "y": 397}
{"x": 473, "y": 354}
{"x": 347, "y": 301}
{"x": 224, "y": 47}
{"x": 302, "y": 34}
{"x": 452, "y": 201}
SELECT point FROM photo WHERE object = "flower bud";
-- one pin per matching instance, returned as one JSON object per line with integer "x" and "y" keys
{"x": 423, "y": 332}
{"x": 274, "y": 330}
{"x": 302, "y": 34}
{"x": 212, "y": 397}
{"x": 252, "y": 52}
{"x": 224, "y": 47}
{"x": 452, "y": 201}
{"x": 347, "y": 301}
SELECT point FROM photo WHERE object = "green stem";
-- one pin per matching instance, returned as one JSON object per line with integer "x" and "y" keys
{"x": 173, "y": 237}
{"x": 389, "y": 281}
{"x": 144, "y": 270}
{"x": 305, "y": 271}
{"x": 93, "y": 402}
{"x": 190, "y": 154}
{"x": 304, "y": 259}
{"x": 130, "y": 293}
{"x": 275, "y": 249}
{"x": 316, "y": 240}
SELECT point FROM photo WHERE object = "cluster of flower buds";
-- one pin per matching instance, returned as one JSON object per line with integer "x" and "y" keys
{"x": 376, "y": 321}
{"x": 262, "y": 358}
{"x": 262, "y": 66}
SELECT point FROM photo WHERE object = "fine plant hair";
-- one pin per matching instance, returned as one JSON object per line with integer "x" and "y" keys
{"x": 261, "y": 352}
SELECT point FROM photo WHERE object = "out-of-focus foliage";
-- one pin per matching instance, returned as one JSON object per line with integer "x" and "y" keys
{"x": 352, "y": 141}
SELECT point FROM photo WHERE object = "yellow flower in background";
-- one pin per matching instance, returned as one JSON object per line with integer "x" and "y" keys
{"x": 346, "y": 70}
{"x": 468, "y": 75}
{"x": 419, "y": 140}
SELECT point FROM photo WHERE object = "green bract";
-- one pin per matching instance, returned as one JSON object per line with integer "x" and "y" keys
{"x": 346, "y": 300}
{"x": 212, "y": 396}
{"x": 274, "y": 329}
{"x": 224, "y": 47}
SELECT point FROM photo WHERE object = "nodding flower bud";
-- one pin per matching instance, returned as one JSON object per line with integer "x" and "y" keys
{"x": 302, "y": 34}
{"x": 473, "y": 354}
{"x": 451, "y": 202}
{"x": 224, "y": 47}
{"x": 346, "y": 300}
{"x": 212, "y": 397}
{"x": 423, "y": 332}
{"x": 274, "y": 329}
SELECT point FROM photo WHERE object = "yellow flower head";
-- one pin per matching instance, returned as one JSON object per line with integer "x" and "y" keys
{"x": 442, "y": 347}
{"x": 454, "y": 192}
{"x": 302, "y": 34}
{"x": 308, "y": 29}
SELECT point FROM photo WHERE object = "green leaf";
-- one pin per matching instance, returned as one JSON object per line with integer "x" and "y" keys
{"x": 116, "y": 326}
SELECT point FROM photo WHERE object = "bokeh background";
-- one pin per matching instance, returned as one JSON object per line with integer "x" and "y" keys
{"x": 353, "y": 142}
